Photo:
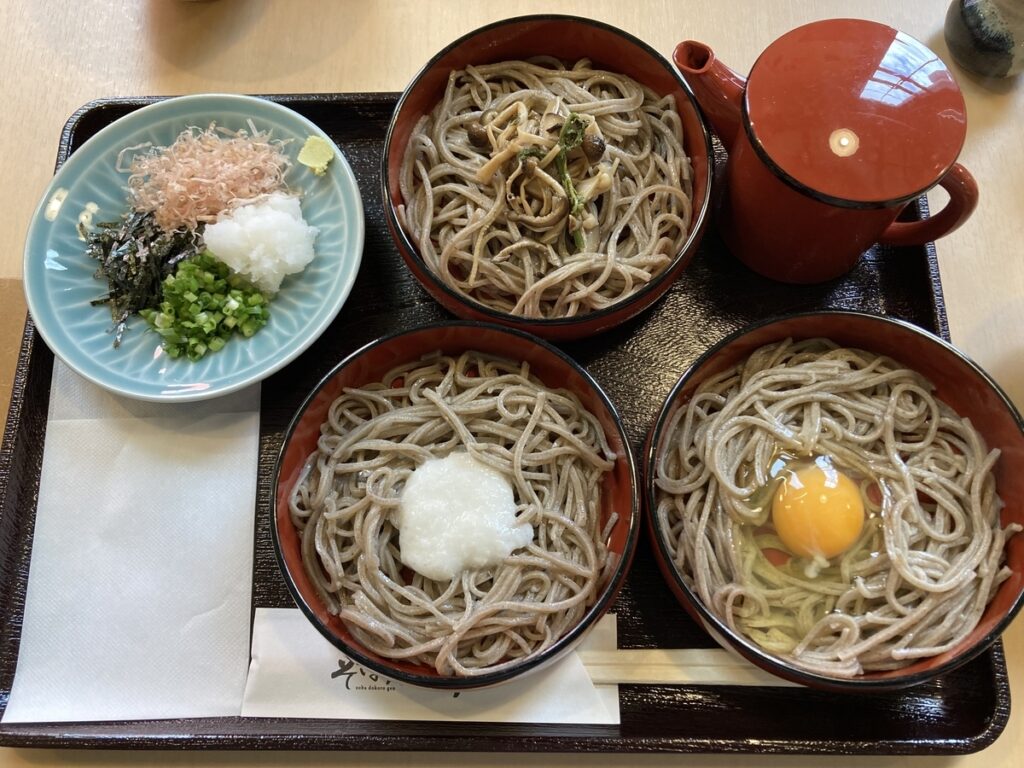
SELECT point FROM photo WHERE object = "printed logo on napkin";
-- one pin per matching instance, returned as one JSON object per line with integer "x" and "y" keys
{"x": 358, "y": 679}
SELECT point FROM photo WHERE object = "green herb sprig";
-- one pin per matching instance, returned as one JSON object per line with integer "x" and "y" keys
{"x": 532, "y": 151}
{"x": 569, "y": 138}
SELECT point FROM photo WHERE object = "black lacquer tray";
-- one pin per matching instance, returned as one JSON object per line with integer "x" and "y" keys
{"x": 637, "y": 363}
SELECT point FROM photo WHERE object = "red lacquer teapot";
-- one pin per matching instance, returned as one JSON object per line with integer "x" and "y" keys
{"x": 840, "y": 124}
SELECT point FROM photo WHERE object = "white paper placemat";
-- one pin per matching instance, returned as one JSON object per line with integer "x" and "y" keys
{"x": 139, "y": 590}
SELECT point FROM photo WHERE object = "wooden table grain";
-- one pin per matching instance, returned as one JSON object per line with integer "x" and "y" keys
{"x": 56, "y": 55}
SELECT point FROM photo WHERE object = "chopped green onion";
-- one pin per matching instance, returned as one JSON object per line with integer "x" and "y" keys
{"x": 203, "y": 304}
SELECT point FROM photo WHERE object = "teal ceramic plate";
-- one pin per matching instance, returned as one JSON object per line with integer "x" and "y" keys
{"x": 59, "y": 281}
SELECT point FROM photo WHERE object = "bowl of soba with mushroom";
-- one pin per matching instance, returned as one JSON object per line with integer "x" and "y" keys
{"x": 547, "y": 173}
{"x": 456, "y": 505}
{"x": 838, "y": 497}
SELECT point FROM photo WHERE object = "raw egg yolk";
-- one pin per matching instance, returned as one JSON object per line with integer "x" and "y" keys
{"x": 817, "y": 511}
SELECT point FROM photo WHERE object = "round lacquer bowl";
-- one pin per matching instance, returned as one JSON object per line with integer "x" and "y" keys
{"x": 568, "y": 39}
{"x": 619, "y": 487}
{"x": 958, "y": 381}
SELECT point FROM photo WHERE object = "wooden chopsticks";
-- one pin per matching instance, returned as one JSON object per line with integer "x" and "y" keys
{"x": 659, "y": 666}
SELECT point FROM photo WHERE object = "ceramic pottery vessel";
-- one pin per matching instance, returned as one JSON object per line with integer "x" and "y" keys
{"x": 987, "y": 36}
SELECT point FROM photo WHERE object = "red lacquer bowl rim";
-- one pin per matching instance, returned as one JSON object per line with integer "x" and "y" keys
{"x": 643, "y": 295}
{"x": 608, "y": 593}
{"x": 747, "y": 648}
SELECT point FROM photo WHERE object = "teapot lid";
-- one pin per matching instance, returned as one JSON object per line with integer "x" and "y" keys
{"x": 855, "y": 112}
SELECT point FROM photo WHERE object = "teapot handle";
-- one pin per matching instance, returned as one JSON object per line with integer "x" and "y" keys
{"x": 963, "y": 199}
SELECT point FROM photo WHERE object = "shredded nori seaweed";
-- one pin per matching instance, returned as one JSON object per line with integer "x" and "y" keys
{"x": 134, "y": 257}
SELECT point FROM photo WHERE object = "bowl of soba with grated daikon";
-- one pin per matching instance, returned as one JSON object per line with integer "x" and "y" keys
{"x": 455, "y": 505}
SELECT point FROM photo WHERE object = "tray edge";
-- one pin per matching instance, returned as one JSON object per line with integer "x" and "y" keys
{"x": 42, "y": 735}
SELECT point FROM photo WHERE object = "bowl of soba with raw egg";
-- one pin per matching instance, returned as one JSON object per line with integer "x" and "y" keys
{"x": 455, "y": 505}
{"x": 548, "y": 173}
{"x": 837, "y": 497}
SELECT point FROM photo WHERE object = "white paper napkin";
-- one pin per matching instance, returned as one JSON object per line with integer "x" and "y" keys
{"x": 296, "y": 672}
{"x": 138, "y": 600}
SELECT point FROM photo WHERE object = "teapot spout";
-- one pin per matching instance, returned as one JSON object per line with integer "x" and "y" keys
{"x": 718, "y": 89}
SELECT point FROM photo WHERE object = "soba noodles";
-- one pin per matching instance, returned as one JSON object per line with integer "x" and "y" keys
{"x": 505, "y": 217}
{"x": 928, "y": 558}
{"x": 551, "y": 449}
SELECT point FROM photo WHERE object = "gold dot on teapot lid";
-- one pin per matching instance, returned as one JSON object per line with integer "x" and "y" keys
{"x": 844, "y": 142}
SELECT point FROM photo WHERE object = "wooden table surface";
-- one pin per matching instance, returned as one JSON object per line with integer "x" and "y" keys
{"x": 56, "y": 55}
